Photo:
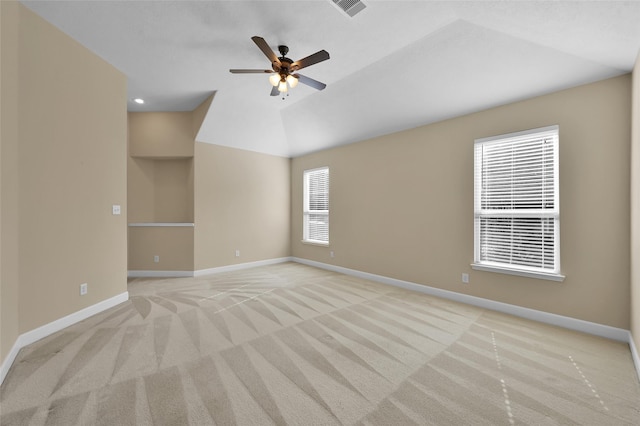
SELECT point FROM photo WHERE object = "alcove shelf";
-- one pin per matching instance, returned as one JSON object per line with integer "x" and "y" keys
{"x": 160, "y": 188}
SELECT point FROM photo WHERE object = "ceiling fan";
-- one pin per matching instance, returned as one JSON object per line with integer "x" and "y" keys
{"x": 285, "y": 71}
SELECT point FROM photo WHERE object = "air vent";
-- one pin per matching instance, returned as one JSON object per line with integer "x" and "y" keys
{"x": 350, "y": 7}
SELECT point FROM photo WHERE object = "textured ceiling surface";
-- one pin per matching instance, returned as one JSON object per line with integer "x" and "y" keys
{"x": 395, "y": 65}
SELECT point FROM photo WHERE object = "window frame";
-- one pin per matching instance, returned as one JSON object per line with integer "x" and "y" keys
{"x": 307, "y": 211}
{"x": 554, "y": 273}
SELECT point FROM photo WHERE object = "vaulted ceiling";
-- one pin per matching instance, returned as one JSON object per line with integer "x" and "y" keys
{"x": 394, "y": 65}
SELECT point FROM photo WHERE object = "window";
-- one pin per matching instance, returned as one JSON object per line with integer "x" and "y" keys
{"x": 316, "y": 206}
{"x": 516, "y": 210}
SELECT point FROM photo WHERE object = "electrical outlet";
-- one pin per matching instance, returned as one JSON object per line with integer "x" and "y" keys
{"x": 83, "y": 289}
{"x": 115, "y": 209}
{"x": 465, "y": 278}
{"x": 156, "y": 259}
{"x": 331, "y": 254}
{"x": 237, "y": 253}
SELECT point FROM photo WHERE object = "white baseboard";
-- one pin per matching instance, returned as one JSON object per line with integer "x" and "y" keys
{"x": 634, "y": 354}
{"x": 540, "y": 316}
{"x": 57, "y": 325}
{"x": 159, "y": 274}
{"x": 609, "y": 332}
{"x": 209, "y": 271}
{"x": 240, "y": 266}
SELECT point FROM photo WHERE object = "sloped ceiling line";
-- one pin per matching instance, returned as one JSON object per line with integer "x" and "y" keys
{"x": 396, "y": 65}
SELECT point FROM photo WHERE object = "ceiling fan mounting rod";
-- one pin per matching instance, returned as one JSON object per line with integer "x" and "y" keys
{"x": 283, "y": 50}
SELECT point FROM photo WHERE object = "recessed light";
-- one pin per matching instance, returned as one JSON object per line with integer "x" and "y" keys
{"x": 138, "y": 101}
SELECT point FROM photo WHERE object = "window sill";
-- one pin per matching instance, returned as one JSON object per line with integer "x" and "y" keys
{"x": 315, "y": 243}
{"x": 518, "y": 272}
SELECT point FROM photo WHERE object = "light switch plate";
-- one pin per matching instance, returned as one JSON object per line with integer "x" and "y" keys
{"x": 116, "y": 209}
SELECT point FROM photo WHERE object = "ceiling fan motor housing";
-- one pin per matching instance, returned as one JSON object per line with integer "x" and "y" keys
{"x": 284, "y": 67}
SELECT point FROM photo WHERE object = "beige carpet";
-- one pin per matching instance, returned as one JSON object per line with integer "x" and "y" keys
{"x": 291, "y": 344}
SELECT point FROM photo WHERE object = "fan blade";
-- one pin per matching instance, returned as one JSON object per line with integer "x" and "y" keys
{"x": 310, "y": 82}
{"x": 320, "y": 56}
{"x": 259, "y": 41}
{"x": 250, "y": 71}
{"x": 275, "y": 91}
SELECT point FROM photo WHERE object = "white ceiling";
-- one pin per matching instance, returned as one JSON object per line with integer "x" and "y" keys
{"x": 395, "y": 65}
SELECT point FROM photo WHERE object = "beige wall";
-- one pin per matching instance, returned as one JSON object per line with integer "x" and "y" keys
{"x": 173, "y": 245}
{"x": 242, "y": 201}
{"x": 401, "y": 205}
{"x": 635, "y": 208}
{"x": 70, "y": 167}
{"x": 239, "y": 200}
{"x": 160, "y": 190}
{"x": 161, "y": 134}
{"x": 9, "y": 321}
{"x": 140, "y": 190}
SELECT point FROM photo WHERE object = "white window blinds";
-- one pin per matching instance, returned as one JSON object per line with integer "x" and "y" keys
{"x": 316, "y": 206}
{"x": 516, "y": 201}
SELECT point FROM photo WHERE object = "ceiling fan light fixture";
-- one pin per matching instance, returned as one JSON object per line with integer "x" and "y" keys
{"x": 292, "y": 80}
{"x": 281, "y": 75}
{"x": 274, "y": 79}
